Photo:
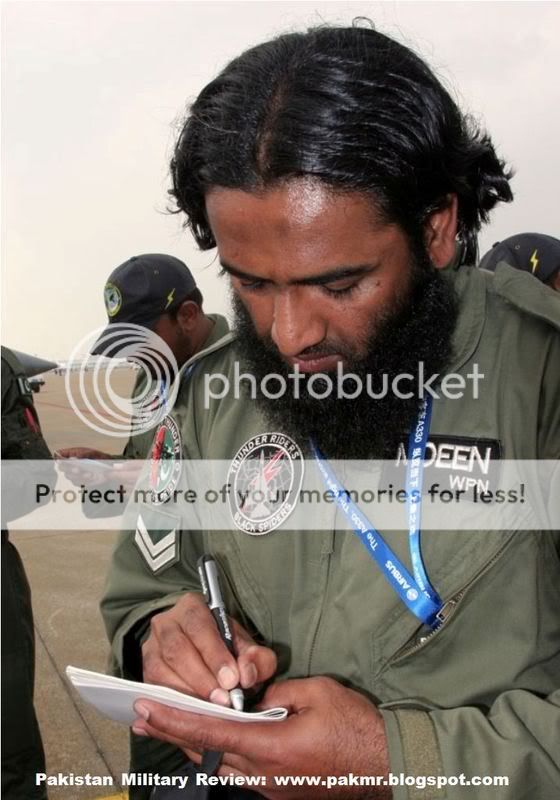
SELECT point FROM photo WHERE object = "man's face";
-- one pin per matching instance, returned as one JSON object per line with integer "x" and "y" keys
{"x": 315, "y": 270}
{"x": 318, "y": 281}
{"x": 169, "y": 329}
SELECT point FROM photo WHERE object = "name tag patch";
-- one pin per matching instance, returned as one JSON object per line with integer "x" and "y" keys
{"x": 462, "y": 463}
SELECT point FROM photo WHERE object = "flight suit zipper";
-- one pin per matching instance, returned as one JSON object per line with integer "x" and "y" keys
{"x": 328, "y": 556}
{"x": 448, "y": 609}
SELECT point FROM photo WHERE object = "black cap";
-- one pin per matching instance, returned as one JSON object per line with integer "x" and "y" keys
{"x": 536, "y": 253}
{"x": 140, "y": 291}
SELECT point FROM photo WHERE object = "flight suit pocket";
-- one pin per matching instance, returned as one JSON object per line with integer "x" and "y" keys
{"x": 248, "y": 604}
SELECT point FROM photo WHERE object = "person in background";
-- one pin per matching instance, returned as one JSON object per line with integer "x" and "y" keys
{"x": 536, "y": 253}
{"x": 157, "y": 292}
{"x": 22, "y": 441}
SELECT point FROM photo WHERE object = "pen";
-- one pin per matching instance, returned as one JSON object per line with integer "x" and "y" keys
{"x": 210, "y": 583}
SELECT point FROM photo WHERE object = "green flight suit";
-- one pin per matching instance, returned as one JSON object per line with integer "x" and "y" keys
{"x": 22, "y": 748}
{"x": 139, "y": 444}
{"x": 481, "y": 695}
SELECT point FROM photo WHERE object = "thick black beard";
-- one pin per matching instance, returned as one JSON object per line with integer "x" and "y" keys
{"x": 417, "y": 329}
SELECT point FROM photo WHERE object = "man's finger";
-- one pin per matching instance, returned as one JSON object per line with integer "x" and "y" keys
{"x": 193, "y": 755}
{"x": 200, "y": 628}
{"x": 180, "y": 654}
{"x": 252, "y": 740}
{"x": 256, "y": 663}
{"x": 297, "y": 695}
{"x": 158, "y": 673}
{"x": 225, "y": 771}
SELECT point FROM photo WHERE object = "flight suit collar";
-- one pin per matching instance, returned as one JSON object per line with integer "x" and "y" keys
{"x": 219, "y": 329}
{"x": 469, "y": 285}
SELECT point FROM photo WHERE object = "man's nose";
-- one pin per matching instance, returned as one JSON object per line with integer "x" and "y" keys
{"x": 298, "y": 322}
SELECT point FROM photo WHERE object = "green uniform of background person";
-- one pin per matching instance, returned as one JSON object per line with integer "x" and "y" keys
{"x": 139, "y": 444}
{"x": 22, "y": 748}
{"x": 481, "y": 695}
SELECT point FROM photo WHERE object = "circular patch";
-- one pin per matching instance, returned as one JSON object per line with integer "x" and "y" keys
{"x": 113, "y": 299}
{"x": 166, "y": 461}
{"x": 265, "y": 479}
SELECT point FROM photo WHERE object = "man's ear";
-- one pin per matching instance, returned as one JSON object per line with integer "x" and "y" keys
{"x": 554, "y": 282}
{"x": 187, "y": 315}
{"x": 440, "y": 232}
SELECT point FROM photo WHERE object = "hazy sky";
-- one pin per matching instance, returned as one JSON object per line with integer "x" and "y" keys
{"x": 90, "y": 91}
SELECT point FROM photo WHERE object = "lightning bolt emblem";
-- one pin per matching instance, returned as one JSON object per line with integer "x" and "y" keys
{"x": 171, "y": 295}
{"x": 535, "y": 262}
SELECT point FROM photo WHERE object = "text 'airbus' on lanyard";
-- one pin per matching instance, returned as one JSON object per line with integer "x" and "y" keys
{"x": 416, "y": 591}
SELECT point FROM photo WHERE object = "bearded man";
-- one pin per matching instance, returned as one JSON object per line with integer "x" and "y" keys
{"x": 344, "y": 190}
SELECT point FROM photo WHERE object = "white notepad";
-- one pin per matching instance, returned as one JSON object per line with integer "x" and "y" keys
{"x": 115, "y": 697}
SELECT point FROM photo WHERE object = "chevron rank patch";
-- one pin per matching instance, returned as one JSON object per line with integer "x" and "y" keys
{"x": 159, "y": 548}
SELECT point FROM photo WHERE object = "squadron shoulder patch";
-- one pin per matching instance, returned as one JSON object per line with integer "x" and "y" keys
{"x": 166, "y": 458}
{"x": 266, "y": 475}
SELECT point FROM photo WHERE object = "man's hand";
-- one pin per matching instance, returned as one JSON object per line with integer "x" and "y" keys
{"x": 185, "y": 651}
{"x": 71, "y": 462}
{"x": 81, "y": 452}
{"x": 331, "y": 731}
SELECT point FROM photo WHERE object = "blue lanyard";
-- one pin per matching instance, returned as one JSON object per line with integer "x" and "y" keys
{"x": 188, "y": 372}
{"x": 162, "y": 394}
{"x": 416, "y": 592}
{"x": 417, "y": 441}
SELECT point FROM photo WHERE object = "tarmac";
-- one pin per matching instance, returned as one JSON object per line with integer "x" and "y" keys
{"x": 66, "y": 570}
